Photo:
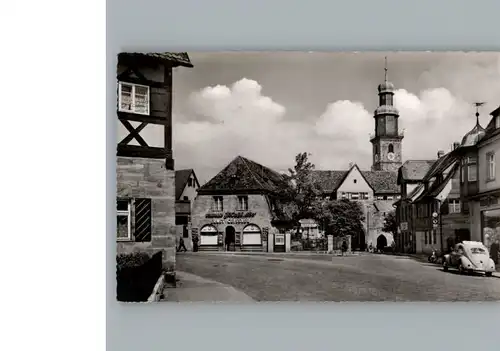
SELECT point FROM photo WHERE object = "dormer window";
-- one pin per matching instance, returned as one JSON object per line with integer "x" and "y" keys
{"x": 133, "y": 98}
{"x": 497, "y": 122}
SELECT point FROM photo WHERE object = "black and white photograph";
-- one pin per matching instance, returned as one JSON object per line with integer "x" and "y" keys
{"x": 290, "y": 176}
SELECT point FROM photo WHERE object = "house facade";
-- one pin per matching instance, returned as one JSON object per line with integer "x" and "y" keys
{"x": 376, "y": 191}
{"x": 409, "y": 179}
{"x": 436, "y": 213}
{"x": 239, "y": 210}
{"x": 439, "y": 219}
{"x": 485, "y": 201}
{"x": 144, "y": 164}
{"x": 186, "y": 187}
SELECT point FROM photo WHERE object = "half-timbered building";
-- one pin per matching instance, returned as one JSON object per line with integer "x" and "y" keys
{"x": 144, "y": 164}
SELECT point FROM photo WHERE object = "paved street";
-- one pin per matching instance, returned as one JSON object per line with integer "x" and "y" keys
{"x": 368, "y": 277}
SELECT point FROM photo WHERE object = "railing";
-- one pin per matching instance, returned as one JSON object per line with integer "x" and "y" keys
{"x": 396, "y": 135}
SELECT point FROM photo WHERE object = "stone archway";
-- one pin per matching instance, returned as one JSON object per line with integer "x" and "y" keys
{"x": 381, "y": 242}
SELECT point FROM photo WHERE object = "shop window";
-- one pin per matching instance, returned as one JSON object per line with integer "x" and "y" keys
{"x": 252, "y": 235}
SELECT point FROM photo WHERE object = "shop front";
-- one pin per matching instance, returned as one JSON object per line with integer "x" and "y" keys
{"x": 233, "y": 231}
{"x": 490, "y": 226}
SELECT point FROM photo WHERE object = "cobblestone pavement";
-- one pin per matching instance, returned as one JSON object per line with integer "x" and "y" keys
{"x": 366, "y": 277}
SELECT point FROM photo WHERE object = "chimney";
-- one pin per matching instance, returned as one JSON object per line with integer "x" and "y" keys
{"x": 456, "y": 144}
{"x": 440, "y": 154}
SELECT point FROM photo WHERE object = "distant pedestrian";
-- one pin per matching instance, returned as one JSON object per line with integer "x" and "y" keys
{"x": 181, "y": 245}
{"x": 344, "y": 247}
{"x": 195, "y": 243}
{"x": 494, "y": 248}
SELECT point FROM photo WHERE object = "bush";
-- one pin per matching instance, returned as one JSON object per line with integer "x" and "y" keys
{"x": 131, "y": 260}
{"x": 136, "y": 275}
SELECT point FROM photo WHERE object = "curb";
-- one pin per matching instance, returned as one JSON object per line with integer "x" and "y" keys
{"x": 157, "y": 290}
{"x": 236, "y": 295}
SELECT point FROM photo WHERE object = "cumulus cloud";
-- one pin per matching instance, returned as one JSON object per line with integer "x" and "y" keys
{"x": 241, "y": 119}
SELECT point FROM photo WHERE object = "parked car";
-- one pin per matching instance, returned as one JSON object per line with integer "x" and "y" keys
{"x": 469, "y": 257}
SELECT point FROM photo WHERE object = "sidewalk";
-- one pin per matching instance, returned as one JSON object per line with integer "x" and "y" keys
{"x": 193, "y": 288}
{"x": 290, "y": 254}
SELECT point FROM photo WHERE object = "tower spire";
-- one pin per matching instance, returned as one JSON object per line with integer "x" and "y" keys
{"x": 385, "y": 69}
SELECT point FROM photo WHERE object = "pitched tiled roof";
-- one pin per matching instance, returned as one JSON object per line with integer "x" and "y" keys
{"x": 329, "y": 181}
{"x": 243, "y": 174}
{"x": 382, "y": 182}
{"x": 175, "y": 58}
{"x": 442, "y": 164}
{"x": 437, "y": 187}
{"x": 181, "y": 179}
{"x": 491, "y": 130}
{"x": 414, "y": 170}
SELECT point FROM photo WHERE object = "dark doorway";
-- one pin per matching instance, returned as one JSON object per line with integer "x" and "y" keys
{"x": 381, "y": 242}
{"x": 229, "y": 241}
{"x": 462, "y": 235}
{"x": 358, "y": 242}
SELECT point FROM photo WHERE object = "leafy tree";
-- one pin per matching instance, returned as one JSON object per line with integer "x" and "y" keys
{"x": 337, "y": 217}
{"x": 303, "y": 191}
{"x": 340, "y": 217}
{"x": 390, "y": 223}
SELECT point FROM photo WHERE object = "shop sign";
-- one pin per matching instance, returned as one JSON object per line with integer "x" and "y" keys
{"x": 230, "y": 221}
{"x": 226, "y": 215}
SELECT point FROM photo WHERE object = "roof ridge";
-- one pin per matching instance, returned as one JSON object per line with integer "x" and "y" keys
{"x": 251, "y": 172}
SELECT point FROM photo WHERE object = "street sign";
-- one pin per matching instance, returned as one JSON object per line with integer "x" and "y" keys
{"x": 434, "y": 222}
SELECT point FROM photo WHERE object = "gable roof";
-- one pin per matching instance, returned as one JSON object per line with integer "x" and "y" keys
{"x": 329, "y": 181}
{"x": 442, "y": 164}
{"x": 244, "y": 175}
{"x": 413, "y": 171}
{"x": 491, "y": 130}
{"x": 181, "y": 179}
{"x": 382, "y": 182}
{"x": 173, "y": 58}
{"x": 436, "y": 188}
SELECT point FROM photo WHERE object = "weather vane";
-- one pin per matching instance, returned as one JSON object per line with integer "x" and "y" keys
{"x": 385, "y": 68}
{"x": 478, "y": 105}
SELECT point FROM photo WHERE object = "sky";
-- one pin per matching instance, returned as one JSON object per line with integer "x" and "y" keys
{"x": 268, "y": 106}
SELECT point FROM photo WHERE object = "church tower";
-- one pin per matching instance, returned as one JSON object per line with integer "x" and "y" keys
{"x": 387, "y": 140}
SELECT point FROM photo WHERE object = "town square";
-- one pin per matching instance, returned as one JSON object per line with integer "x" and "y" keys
{"x": 236, "y": 183}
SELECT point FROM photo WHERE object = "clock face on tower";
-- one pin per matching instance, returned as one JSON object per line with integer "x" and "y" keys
{"x": 390, "y": 156}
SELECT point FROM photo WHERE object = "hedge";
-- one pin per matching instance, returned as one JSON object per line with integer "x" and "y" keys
{"x": 136, "y": 275}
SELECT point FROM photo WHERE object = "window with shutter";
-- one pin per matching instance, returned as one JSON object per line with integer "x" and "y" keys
{"x": 123, "y": 217}
{"x": 142, "y": 220}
